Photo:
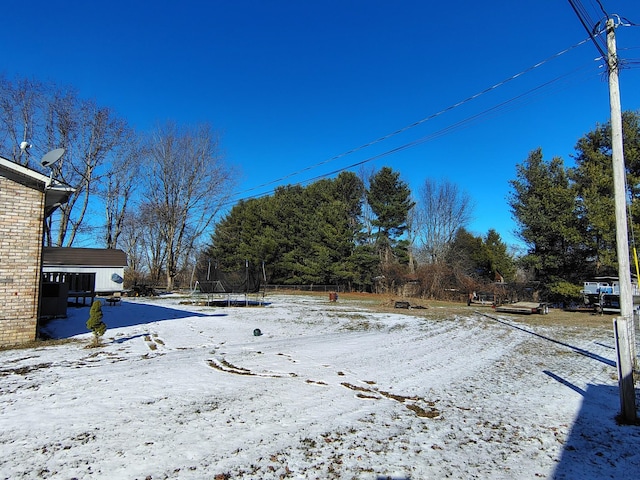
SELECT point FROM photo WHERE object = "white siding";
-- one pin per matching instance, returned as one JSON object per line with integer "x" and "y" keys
{"x": 104, "y": 283}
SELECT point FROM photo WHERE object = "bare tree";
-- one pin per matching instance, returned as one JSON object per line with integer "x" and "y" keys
{"x": 130, "y": 243}
{"x": 150, "y": 242}
{"x": 442, "y": 209}
{"x": 21, "y": 107}
{"x": 90, "y": 135}
{"x": 118, "y": 187}
{"x": 411, "y": 237}
{"x": 367, "y": 215}
{"x": 49, "y": 117}
{"x": 186, "y": 184}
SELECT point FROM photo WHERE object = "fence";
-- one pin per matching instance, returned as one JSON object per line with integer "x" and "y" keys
{"x": 305, "y": 288}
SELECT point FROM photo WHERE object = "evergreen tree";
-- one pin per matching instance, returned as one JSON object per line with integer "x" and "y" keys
{"x": 544, "y": 206}
{"x": 364, "y": 267}
{"x": 390, "y": 201}
{"x": 481, "y": 257}
{"x": 498, "y": 258}
{"x": 593, "y": 183}
{"x": 95, "y": 323}
{"x": 467, "y": 254}
{"x": 305, "y": 235}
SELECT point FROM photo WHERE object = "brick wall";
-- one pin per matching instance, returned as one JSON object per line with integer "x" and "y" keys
{"x": 21, "y": 223}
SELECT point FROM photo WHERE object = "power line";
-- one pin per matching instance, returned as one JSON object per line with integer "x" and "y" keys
{"x": 443, "y": 131}
{"x": 602, "y": 9}
{"x": 460, "y": 124}
{"x": 414, "y": 124}
{"x": 596, "y": 28}
{"x": 588, "y": 24}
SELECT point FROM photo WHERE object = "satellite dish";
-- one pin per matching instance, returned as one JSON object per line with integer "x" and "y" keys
{"x": 52, "y": 157}
{"x": 116, "y": 278}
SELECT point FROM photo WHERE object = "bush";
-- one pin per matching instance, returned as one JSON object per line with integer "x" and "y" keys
{"x": 564, "y": 292}
{"x": 95, "y": 323}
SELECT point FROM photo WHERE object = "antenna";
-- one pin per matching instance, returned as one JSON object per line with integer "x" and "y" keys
{"x": 24, "y": 150}
{"x": 52, "y": 157}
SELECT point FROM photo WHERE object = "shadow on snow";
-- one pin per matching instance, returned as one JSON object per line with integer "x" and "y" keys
{"x": 598, "y": 447}
{"x": 579, "y": 350}
{"x": 126, "y": 314}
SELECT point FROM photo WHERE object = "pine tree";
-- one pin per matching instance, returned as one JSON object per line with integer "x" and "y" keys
{"x": 544, "y": 206}
{"x": 390, "y": 201}
{"x": 304, "y": 235}
{"x": 95, "y": 323}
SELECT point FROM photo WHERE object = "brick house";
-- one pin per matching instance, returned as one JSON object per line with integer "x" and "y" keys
{"x": 27, "y": 198}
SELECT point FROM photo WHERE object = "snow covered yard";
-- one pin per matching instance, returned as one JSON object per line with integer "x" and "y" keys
{"x": 328, "y": 391}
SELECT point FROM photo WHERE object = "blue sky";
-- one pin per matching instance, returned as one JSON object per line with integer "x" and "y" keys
{"x": 291, "y": 84}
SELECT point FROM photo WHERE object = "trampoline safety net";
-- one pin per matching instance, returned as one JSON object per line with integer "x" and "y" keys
{"x": 246, "y": 280}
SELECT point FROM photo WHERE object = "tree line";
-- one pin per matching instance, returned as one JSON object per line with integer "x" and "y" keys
{"x": 159, "y": 191}
{"x": 360, "y": 232}
{"x": 163, "y": 197}
{"x": 371, "y": 233}
{"x": 565, "y": 215}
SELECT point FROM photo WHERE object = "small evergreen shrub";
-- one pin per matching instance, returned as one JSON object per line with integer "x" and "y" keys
{"x": 95, "y": 323}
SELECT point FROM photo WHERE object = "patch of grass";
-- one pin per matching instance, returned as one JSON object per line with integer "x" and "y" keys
{"x": 350, "y": 386}
{"x": 397, "y": 398}
{"x": 447, "y": 310}
{"x": 348, "y": 316}
{"x": 43, "y": 342}
{"x": 225, "y": 366}
{"x": 421, "y": 412}
{"x": 309, "y": 442}
{"x": 23, "y": 370}
{"x": 367, "y": 396}
{"x": 316, "y": 382}
{"x": 362, "y": 326}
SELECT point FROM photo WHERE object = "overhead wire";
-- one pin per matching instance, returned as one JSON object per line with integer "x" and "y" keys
{"x": 444, "y": 131}
{"x": 588, "y": 24}
{"x": 629, "y": 63}
{"x": 596, "y": 29}
{"x": 584, "y": 18}
{"x": 416, "y": 123}
{"x": 602, "y": 8}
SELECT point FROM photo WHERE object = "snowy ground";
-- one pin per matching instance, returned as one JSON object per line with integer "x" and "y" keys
{"x": 328, "y": 391}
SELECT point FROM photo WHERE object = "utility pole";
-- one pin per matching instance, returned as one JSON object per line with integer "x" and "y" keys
{"x": 624, "y": 326}
{"x": 619, "y": 184}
